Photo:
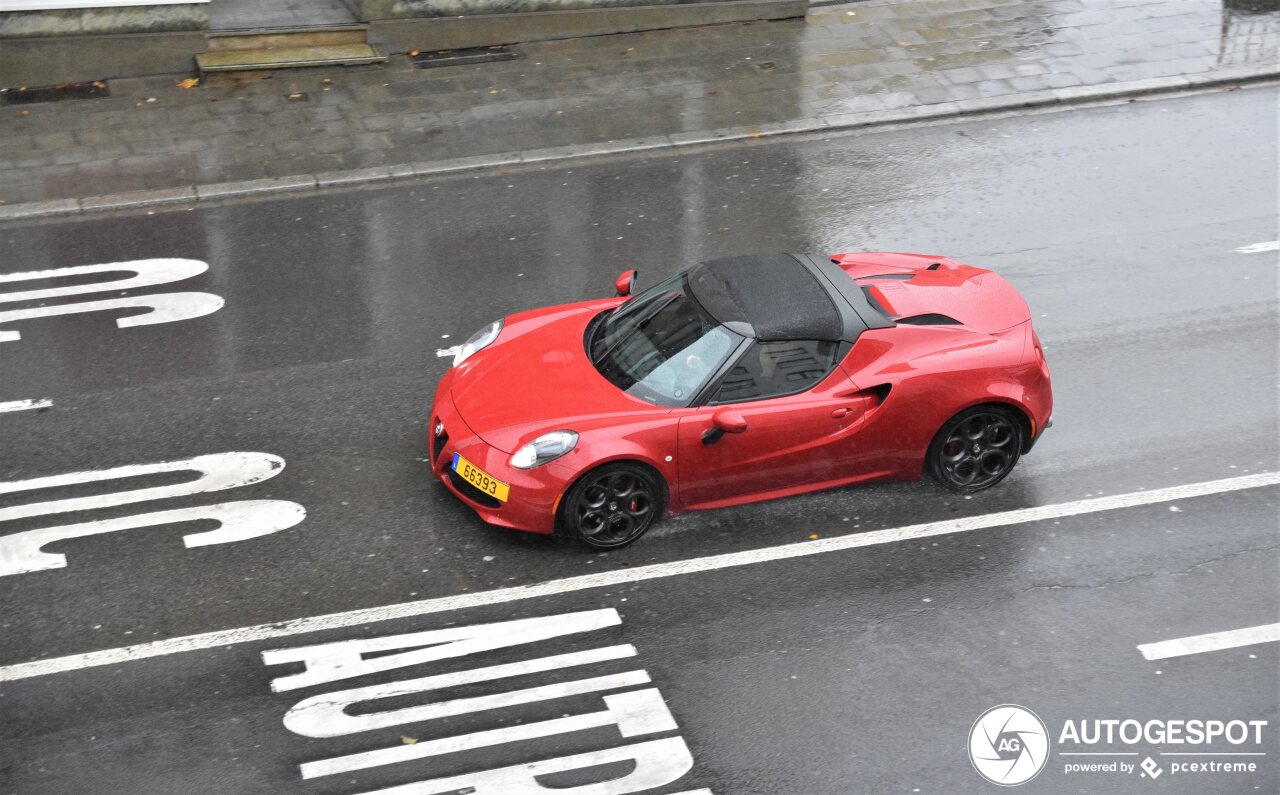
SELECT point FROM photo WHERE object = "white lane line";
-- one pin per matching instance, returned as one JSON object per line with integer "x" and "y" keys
{"x": 1258, "y": 248}
{"x": 1211, "y": 641}
{"x": 354, "y": 618}
{"x": 25, "y": 405}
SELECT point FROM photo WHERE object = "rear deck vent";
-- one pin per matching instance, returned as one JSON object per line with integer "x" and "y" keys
{"x": 934, "y": 266}
{"x": 932, "y": 319}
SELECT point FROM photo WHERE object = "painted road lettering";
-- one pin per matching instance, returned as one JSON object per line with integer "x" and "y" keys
{"x": 163, "y": 307}
{"x": 239, "y": 520}
{"x": 636, "y": 713}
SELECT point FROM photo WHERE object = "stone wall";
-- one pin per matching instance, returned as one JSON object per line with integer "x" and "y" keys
{"x": 596, "y": 18}
{"x": 369, "y": 10}
{"x": 111, "y": 20}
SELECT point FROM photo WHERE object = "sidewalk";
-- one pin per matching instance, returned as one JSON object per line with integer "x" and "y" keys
{"x": 847, "y": 65}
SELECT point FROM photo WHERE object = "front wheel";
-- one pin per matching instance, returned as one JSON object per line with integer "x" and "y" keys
{"x": 613, "y": 505}
{"x": 976, "y": 449}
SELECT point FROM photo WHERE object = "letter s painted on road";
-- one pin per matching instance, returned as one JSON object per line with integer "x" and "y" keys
{"x": 164, "y": 307}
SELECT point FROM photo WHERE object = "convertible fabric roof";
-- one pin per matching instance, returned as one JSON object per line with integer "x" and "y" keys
{"x": 775, "y": 294}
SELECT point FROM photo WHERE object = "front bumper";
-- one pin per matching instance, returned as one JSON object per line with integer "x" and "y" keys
{"x": 531, "y": 504}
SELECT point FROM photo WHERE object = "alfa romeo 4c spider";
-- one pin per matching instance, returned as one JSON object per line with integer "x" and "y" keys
{"x": 740, "y": 379}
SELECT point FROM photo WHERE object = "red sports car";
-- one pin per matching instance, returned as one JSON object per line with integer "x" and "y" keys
{"x": 740, "y": 379}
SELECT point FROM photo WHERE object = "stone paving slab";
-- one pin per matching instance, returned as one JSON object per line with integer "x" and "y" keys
{"x": 861, "y": 63}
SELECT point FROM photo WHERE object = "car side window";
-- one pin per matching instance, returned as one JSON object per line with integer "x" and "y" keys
{"x": 773, "y": 369}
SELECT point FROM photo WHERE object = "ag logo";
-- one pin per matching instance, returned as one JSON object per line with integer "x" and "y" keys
{"x": 1008, "y": 745}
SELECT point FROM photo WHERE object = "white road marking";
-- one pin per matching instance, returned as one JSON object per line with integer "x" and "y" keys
{"x": 449, "y": 353}
{"x": 146, "y": 273}
{"x": 164, "y": 307}
{"x": 325, "y": 715}
{"x": 352, "y": 618}
{"x": 25, "y": 405}
{"x": 21, "y": 552}
{"x": 656, "y": 763}
{"x": 1258, "y": 248}
{"x": 1212, "y": 641}
{"x": 344, "y": 659}
{"x": 635, "y": 714}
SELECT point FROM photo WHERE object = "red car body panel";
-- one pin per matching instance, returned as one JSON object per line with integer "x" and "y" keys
{"x": 871, "y": 419}
{"x": 542, "y": 366}
{"x": 976, "y": 297}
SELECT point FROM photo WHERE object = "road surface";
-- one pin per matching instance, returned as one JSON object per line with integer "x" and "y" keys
{"x": 134, "y": 664}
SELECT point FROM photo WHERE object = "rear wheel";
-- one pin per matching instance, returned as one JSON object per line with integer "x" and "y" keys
{"x": 976, "y": 449}
{"x": 613, "y": 505}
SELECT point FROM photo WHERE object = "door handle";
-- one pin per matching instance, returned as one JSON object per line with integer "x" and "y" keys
{"x": 840, "y": 412}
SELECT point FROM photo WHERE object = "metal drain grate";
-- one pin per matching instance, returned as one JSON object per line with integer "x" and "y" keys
{"x": 31, "y": 96}
{"x": 470, "y": 55}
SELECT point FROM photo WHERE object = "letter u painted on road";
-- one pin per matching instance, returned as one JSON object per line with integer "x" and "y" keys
{"x": 163, "y": 307}
{"x": 237, "y": 521}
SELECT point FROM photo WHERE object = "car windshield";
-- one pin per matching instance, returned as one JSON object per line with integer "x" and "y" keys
{"x": 661, "y": 346}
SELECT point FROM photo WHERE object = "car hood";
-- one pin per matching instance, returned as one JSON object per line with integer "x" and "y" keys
{"x": 536, "y": 377}
{"x": 913, "y": 284}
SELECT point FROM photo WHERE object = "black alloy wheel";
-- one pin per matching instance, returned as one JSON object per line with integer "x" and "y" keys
{"x": 976, "y": 449}
{"x": 612, "y": 506}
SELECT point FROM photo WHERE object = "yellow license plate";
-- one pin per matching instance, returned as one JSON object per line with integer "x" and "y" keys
{"x": 480, "y": 479}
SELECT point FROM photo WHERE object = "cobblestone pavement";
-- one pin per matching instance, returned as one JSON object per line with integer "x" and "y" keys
{"x": 840, "y": 61}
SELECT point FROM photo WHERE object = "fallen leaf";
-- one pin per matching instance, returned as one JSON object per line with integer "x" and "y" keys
{"x": 414, "y": 53}
{"x": 25, "y": 113}
{"x": 326, "y": 81}
{"x": 493, "y": 91}
{"x": 813, "y": 536}
{"x": 628, "y": 50}
{"x": 99, "y": 84}
{"x": 409, "y": 740}
{"x": 190, "y": 82}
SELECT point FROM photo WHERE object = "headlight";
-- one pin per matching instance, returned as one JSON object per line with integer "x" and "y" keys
{"x": 547, "y": 447}
{"x": 477, "y": 341}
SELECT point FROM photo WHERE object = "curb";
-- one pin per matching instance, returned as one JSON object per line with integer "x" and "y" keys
{"x": 833, "y": 123}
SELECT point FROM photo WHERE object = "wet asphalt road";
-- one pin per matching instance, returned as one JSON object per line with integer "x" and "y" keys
{"x": 1119, "y": 225}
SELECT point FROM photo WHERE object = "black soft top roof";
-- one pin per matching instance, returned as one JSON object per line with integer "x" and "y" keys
{"x": 775, "y": 297}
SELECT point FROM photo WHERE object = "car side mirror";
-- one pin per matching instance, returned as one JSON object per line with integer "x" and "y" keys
{"x": 729, "y": 421}
{"x": 625, "y": 283}
{"x": 722, "y": 422}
